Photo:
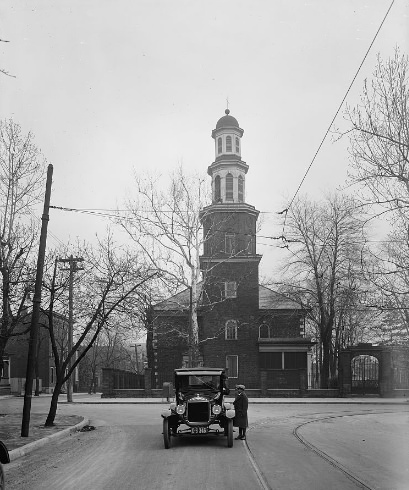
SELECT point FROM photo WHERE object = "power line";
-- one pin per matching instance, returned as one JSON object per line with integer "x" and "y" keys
{"x": 336, "y": 113}
{"x": 106, "y": 214}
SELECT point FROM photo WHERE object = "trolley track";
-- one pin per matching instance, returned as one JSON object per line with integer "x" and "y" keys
{"x": 296, "y": 431}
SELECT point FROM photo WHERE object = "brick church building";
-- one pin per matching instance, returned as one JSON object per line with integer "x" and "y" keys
{"x": 256, "y": 333}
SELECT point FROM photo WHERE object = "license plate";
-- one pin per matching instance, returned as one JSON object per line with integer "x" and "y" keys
{"x": 199, "y": 430}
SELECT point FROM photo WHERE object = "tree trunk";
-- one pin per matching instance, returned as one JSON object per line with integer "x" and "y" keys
{"x": 326, "y": 356}
{"x": 2, "y": 349}
{"x": 53, "y": 406}
{"x": 92, "y": 382}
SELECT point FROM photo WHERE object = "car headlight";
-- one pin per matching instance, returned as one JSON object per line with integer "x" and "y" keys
{"x": 216, "y": 409}
{"x": 180, "y": 409}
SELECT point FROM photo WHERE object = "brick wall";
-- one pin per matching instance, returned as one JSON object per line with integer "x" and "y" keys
{"x": 169, "y": 345}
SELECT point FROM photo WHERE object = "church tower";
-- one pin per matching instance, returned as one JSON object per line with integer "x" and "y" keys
{"x": 230, "y": 261}
{"x": 229, "y": 223}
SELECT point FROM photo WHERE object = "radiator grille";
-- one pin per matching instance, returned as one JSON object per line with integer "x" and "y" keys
{"x": 198, "y": 411}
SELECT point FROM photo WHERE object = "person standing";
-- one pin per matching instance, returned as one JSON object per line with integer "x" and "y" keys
{"x": 241, "y": 404}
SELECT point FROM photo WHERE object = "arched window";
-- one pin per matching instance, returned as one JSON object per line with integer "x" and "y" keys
{"x": 230, "y": 243}
{"x": 217, "y": 189}
{"x": 241, "y": 189}
{"x": 219, "y": 145}
{"x": 229, "y": 187}
{"x": 237, "y": 145}
{"x": 231, "y": 330}
{"x": 228, "y": 143}
{"x": 264, "y": 331}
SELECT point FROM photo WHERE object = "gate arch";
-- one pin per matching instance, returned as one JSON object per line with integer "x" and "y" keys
{"x": 365, "y": 375}
{"x": 375, "y": 358}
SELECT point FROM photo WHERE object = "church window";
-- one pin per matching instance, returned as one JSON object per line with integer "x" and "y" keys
{"x": 237, "y": 145}
{"x": 231, "y": 330}
{"x": 217, "y": 189}
{"x": 264, "y": 331}
{"x": 229, "y": 187}
{"x": 219, "y": 145}
{"x": 228, "y": 143}
{"x": 230, "y": 289}
{"x": 230, "y": 243}
{"x": 241, "y": 188}
{"x": 232, "y": 365}
{"x": 250, "y": 244}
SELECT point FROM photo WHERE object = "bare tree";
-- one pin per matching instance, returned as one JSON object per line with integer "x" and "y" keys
{"x": 111, "y": 287}
{"x": 325, "y": 243}
{"x": 167, "y": 226}
{"x": 391, "y": 280}
{"x": 379, "y": 150}
{"x": 379, "y": 136}
{"x": 22, "y": 173}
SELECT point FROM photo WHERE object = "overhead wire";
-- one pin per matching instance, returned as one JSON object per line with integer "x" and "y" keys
{"x": 285, "y": 211}
{"x": 107, "y": 214}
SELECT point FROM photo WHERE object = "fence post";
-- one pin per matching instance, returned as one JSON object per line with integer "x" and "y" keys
{"x": 303, "y": 381}
{"x": 263, "y": 383}
{"x": 148, "y": 382}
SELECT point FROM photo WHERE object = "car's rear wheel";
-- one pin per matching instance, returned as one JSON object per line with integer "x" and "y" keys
{"x": 166, "y": 433}
{"x": 230, "y": 433}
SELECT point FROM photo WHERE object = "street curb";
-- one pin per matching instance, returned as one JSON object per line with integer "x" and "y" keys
{"x": 23, "y": 450}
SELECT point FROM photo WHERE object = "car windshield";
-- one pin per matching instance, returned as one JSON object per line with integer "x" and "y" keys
{"x": 194, "y": 382}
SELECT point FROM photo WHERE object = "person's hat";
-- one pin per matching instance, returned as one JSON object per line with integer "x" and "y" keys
{"x": 240, "y": 387}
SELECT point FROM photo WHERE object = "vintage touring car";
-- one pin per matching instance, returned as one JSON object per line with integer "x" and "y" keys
{"x": 199, "y": 406}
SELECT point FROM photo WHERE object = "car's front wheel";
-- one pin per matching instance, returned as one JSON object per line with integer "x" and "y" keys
{"x": 166, "y": 433}
{"x": 230, "y": 433}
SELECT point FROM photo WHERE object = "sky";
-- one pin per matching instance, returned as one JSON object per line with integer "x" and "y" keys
{"x": 112, "y": 87}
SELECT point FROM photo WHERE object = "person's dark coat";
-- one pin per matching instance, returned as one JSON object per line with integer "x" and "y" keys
{"x": 241, "y": 404}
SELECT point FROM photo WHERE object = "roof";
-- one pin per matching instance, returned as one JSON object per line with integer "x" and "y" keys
{"x": 179, "y": 301}
{"x": 271, "y": 300}
{"x": 227, "y": 121}
{"x": 268, "y": 300}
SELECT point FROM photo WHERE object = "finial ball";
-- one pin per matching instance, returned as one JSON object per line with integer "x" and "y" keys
{"x": 227, "y": 111}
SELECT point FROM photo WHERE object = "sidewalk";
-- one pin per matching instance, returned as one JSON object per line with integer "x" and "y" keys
{"x": 17, "y": 446}
{"x": 85, "y": 398}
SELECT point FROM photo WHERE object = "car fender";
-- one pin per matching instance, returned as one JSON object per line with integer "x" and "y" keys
{"x": 230, "y": 413}
{"x": 166, "y": 413}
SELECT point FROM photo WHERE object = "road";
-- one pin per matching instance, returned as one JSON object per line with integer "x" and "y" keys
{"x": 289, "y": 447}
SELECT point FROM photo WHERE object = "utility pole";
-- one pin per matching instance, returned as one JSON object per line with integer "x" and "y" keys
{"x": 73, "y": 268}
{"x": 137, "y": 358}
{"x": 32, "y": 346}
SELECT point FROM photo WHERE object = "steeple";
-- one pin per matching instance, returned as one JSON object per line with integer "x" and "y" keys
{"x": 228, "y": 171}
{"x": 229, "y": 223}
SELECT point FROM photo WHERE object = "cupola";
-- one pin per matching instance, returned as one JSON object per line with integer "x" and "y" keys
{"x": 228, "y": 170}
